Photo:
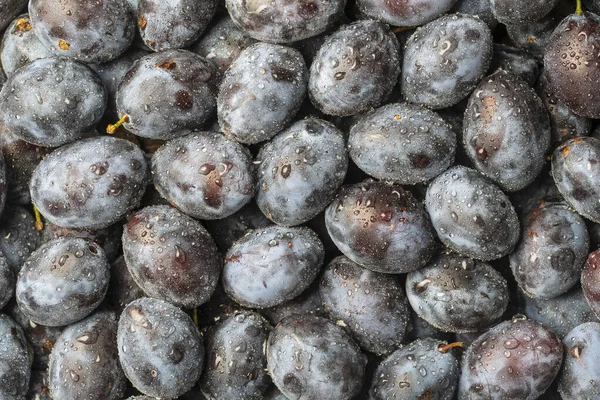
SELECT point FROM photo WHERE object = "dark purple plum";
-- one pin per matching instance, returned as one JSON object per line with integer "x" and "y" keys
{"x": 89, "y": 31}
{"x": 402, "y": 142}
{"x": 15, "y": 361}
{"x": 445, "y": 59}
{"x": 283, "y": 21}
{"x": 562, "y": 313}
{"x": 549, "y": 258}
{"x": 175, "y": 24}
{"x": 52, "y": 101}
{"x": 405, "y": 13}
{"x": 471, "y": 215}
{"x": 122, "y": 289}
{"x": 542, "y": 190}
{"x": 160, "y": 348}
{"x": 506, "y": 131}
{"x": 300, "y": 170}
{"x": 222, "y": 43}
{"x": 84, "y": 363}
{"x": 261, "y": 92}
{"x": 481, "y": 8}
{"x": 166, "y": 93}
{"x": 171, "y": 256}
{"x": 204, "y": 174}
{"x": 355, "y": 69}
{"x": 308, "y": 302}
{"x": 511, "y": 12}
{"x": 270, "y": 266}
{"x": 458, "y": 294}
{"x": 236, "y": 364}
{"x": 89, "y": 184}
{"x": 418, "y": 371}
{"x": 571, "y": 62}
{"x": 20, "y": 45}
{"x": 514, "y": 360}
{"x": 590, "y": 281}
{"x": 576, "y": 168}
{"x": 580, "y": 374}
{"x": 311, "y": 357}
{"x": 516, "y": 61}
{"x": 63, "y": 281}
{"x": 372, "y": 306}
{"x": 18, "y": 236}
{"x": 8, "y": 281}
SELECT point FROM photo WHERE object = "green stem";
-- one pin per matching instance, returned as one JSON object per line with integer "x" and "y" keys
{"x": 578, "y": 10}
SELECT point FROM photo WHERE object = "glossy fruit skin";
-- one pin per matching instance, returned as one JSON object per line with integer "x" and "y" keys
{"x": 63, "y": 281}
{"x": 370, "y": 305}
{"x": 61, "y": 107}
{"x": 439, "y": 70}
{"x": 175, "y": 24}
{"x": 284, "y": 21}
{"x": 300, "y": 171}
{"x": 171, "y": 256}
{"x": 471, "y": 215}
{"x": 84, "y": 363}
{"x": 590, "y": 281}
{"x": 516, "y": 61}
{"x": 565, "y": 124}
{"x": 560, "y": 314}
{"x": 20, "y": 45}
{"x": 270, "y": 266}
{"x": 550, "y": 255}
{"x": 337, "y": 365}
{"x": 222, "y": 43}
{"x": 262, "y": 74}
{"x": 517, "y": 12}
{"x": 407, "y": 13}
{"x": 8, "y": 280}
{"x": 402, "y": 142}
{"x": 506, "y": 131}
{"x": 481, "y": 8}
{"x": 165, "y": 93}
{"x": 235, "y": 361}
{"x": 21, "y": 158}
{"x": 381, "y": 227}
{"x": 355, "y": 69}
{"x": 18, "y": 236}
{"x": 575, "y": 171}
{"x": 307, "y": 302}
{"x": 160, "y": 348}
{"x": 10, "y": 9}
{"x": 88, "y": 31}
{"x": 15, "y": 362}
{"x": 516, "y": 359}
{"x": 579, "y": 373}
{"x": 458, "y": 294}
{"x": 89, "y": 184}
{"x": 204, "y": 174}
{"x": 571, "y": 60}
{"x": 417, "y": 371}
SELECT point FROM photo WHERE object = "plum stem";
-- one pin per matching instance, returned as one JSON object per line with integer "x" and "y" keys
{"x": 39, "y": 225}
{"x": 578, "y": 10}
{"x": 444, "y": 348}
{"x": 110, "y": 129}
{"x": 195, "y": 316}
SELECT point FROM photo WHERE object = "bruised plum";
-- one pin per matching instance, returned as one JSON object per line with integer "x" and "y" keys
{"x": 89, "y": 184}
{"x": 172, "y": 24}
{"x": 89, "y": 31}
{"x": 381, "y": 227}
{"x": 445, "y": 59}
{"x": 355, "y": 69}
{"x": 284, "y": 21}
{"x": 204, "y": 174}
{"x": 171, "y": 256}
{"x": 576, "y": 170}
{"x": 506, "y": 131}
{"x": 84, "y": 364}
